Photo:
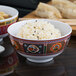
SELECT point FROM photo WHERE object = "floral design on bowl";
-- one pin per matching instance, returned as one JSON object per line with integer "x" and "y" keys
{"x": 33, "y": 48}
{"x": 55, "y": 47}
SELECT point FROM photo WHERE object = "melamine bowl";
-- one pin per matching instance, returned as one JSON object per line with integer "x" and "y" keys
{"x": 46, "y": 50}
{"x": 4, "y": 24}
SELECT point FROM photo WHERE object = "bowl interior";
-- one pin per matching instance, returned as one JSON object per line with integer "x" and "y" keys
{"x": 8, "y": 10}
{"x": 63, "y": 27}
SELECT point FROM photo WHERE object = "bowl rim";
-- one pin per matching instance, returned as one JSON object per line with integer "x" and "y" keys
{"x": 12, "y": 16}
{"x": 41, "y": 40}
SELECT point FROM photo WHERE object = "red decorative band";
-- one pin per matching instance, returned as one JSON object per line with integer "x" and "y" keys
{"x": 3, "y": 29}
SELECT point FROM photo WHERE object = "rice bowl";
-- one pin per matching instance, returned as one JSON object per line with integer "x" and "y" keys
{"x": 42, "y": 50}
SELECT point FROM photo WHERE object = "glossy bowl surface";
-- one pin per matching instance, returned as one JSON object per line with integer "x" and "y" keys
{"x": 4, "y": 24}
{"x": 43, "y": 50}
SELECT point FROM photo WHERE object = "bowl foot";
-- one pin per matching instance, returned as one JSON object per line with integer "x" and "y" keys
{"x": 39, "y": 61}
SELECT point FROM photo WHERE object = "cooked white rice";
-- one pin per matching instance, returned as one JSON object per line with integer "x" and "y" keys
{"x": 39, "y": 30}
